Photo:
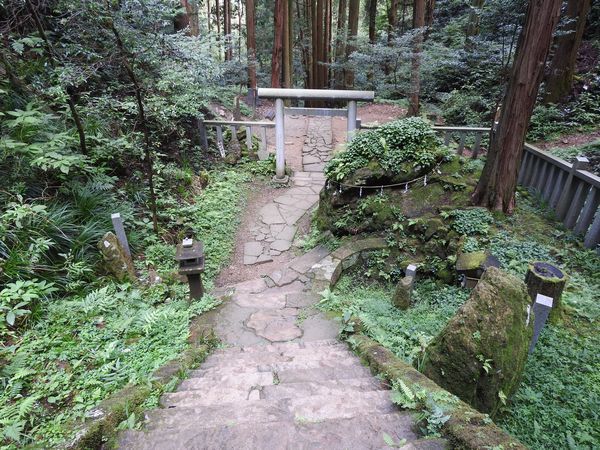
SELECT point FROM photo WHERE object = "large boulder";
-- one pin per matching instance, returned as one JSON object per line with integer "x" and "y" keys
{"x": 480, "y": 354}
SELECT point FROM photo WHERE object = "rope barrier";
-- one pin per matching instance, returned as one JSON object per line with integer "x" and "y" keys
{"x": 383, "y": 186}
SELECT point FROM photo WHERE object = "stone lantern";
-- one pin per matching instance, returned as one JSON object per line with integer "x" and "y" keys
{"x": 190, "y": 256}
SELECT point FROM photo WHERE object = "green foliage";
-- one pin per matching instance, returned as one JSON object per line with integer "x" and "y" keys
{"x": 466, "y": 108}
{"x": 18, "y": 298}
{"x": 410, "y": 141}
{"x": 406, "y": 333}
{"x": 473, "y": 221}
{"x": 558, "y": 403}
{"x": 86, "y": 348}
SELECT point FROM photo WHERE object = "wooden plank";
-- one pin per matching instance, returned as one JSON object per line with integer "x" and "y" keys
{"x": 589, "y": 211}
{"x": 461, "y": 145}
{"x": 574, "y": 210}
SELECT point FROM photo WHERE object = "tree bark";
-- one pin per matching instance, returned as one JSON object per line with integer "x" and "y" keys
{"x": 340, "y": 43}
{"x": 353, "y": 11}
{"x": 218, "y": 12}
{"x": 372, "y": 16}
{"x": 251, "y": 43}
{"x": 227, "y": 29}
{"x": 430, "y": 8}
{"x": 276, "y": 57}
{"x": 415, "y": 71}
{"x": 287, "y": 44}
{"x": 392, "y": 17}
{"x": 497, "y": 184}
{"x": 191, "y": 9}
{"x": 562, "y": 68}
{"x": 472, "y": 29}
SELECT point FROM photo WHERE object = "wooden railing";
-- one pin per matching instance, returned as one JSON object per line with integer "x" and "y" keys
{"x": 234, "y": 125}
{"x": 572, "y": 191}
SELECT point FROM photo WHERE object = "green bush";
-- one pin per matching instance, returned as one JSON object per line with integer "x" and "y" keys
{"x": 393, "y": 146}
{"x": 466, "y": 108}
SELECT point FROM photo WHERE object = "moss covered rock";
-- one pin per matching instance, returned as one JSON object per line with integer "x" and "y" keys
{"x": 480, "y": 354}
{"x": 115, "y": 258}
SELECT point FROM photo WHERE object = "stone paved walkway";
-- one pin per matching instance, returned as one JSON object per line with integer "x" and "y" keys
{"x": 276, "y": 224}
{"x": 284, "y": 381}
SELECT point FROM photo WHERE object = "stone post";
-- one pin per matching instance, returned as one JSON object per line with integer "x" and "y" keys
{"x": 351, "y": 126}
{"x": 117, "y": 222}
{"x": 279, "y": 140}
{"x": 541, "y": 310}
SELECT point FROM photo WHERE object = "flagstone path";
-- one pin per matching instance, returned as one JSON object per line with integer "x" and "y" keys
{"x": 284, "y": 381}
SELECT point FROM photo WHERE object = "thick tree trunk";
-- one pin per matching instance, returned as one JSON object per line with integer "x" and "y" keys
{"x": 302, "y": 21}
{"x": 415, "y": 71}
{"x": 496, "y": 187}
{"x": 277, "y": 55}
{"x": 472, "y": 29}
{"x": 372, "y": 16}
{"x": 191, "y": 9}
{"x": 562, "y": 68}
{"x": 353, "y": 10}
{"x": 430, "y": 8}
{"x": 227, "y": 29}
{"x": 340, "y": 43}
{"x": 287, "y": 43}
{"x": 392, "y": 17}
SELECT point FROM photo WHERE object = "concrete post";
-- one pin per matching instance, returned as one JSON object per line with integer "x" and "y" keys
{"x": 566, "y": 198}
{"x": 117, "y": 222}
{"x": 352, "y": 111}
{"x": 279, "y": 140}
{"x": 541, "y": 310}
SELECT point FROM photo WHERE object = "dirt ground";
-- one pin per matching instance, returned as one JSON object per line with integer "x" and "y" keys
{"x": 570, "y": 140}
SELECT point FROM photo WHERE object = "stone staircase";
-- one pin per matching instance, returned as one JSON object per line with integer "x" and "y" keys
{"x": 292, "y": 395}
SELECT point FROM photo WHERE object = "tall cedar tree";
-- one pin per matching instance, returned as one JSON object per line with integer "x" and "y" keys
{"x": 353, "y": 12}
{"x": 497, "y": 184}
{"x": 227, "y": 30}
{"x": 191, "y": 9}
{"x": 340, "y": 43}
{"x": 277, "y": 55}
{"x": 562, "y": 68}
{"x": 415, "y": 75}
{"x": 251, "y": 43}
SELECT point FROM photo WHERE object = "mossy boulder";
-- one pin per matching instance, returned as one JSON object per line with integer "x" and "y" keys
{"x": 480, "y": 354}
{"x": 403, "y": 292}
{"x": 116, "y": 260}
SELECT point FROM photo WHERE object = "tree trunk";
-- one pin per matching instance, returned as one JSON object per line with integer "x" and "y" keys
{"x": 392, "y": 17}
{"x": 191, "y": 9}
{"x": 353, "y": 11}
{"x": 472, "y": 29}
{"x": 251, "y": 43}
{"x": 429, "y": 12}
{"x": 372, "y": 15}
{"x": 546, "y": 279}
{"x": 287, "y": 43}
{"x": 227, "y": 29}
{"x": 276, "y": 58}
{"x": 305, "y": 51}
{"x": 562, "y": 68}
{"x": 497, "y": 184}
{"x": 218, "y": 12}
{"x": 340, "y": 43}
{"x": 415, "y": 71}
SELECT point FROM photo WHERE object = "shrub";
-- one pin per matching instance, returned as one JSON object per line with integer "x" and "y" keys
{"x": 410, "y": 140}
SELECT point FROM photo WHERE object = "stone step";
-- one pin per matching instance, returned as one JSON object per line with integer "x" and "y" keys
{"x": 246, "y": 367}
{"x": 365, "y": 432}
{"x": 240, "y": 382}
{"x": 342, "y": 387}
{"x": 311, "y": 409}
{"x": 282, "y": 347}
{"x": 258, "y": 359}
{"x": 427, "y": 444}
{"x": 322, "y": 374}
{"x": 217, "y": 395}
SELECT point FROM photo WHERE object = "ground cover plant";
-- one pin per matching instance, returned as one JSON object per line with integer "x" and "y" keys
{"x": 558, "y": 400}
